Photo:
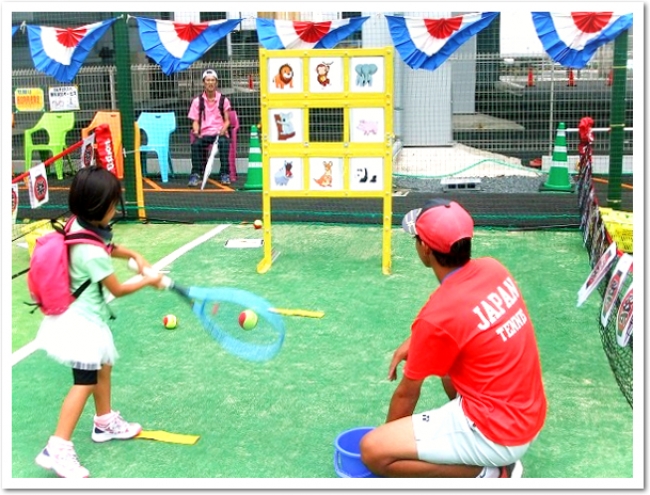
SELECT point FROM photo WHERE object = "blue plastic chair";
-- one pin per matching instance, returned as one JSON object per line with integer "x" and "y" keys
{"x": 158, "y": 126}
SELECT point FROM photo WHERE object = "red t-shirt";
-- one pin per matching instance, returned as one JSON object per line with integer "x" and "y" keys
{"x": 475, "y": 328}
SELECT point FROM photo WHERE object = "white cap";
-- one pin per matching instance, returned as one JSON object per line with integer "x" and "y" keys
{"x": 210, "y": 72}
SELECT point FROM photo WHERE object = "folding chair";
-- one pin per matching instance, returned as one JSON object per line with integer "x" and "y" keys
{"x": 57, "y": 125}
{"x": 158, "y": 127}
{"x": 232, "y": 157}
{"x": 112, "y": 118}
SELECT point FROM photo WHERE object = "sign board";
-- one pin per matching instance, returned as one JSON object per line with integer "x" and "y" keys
{"x": 327, "y": 121}
{"x": 63, "y": 98}
{"x": 29, "y": 99}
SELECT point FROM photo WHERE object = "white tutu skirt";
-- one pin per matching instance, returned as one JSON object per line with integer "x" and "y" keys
{"x": 77, "y": 341}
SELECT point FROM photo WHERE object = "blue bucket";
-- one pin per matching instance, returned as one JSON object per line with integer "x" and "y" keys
{"x": 347, "y": 454}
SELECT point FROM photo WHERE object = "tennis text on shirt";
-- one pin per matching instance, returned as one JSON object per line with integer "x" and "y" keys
{"x": 494, "y": 306}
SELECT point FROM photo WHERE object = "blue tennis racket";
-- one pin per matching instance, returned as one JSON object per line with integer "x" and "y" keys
{"x": 218, "y": 309}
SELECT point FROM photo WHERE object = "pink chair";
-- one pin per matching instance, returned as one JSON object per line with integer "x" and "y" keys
{"x": 232, "y": 157}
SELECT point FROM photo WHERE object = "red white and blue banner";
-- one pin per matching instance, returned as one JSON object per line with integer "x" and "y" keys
{"x": 177, "y": 45}
{"x": 572, "y": 39}
{"x": 60, "y": 52}
{"x": 428, "y": 43}
{"x": 280, "y": 34}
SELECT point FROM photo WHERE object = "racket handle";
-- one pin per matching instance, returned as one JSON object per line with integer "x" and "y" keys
{"x": 133, "y": 266}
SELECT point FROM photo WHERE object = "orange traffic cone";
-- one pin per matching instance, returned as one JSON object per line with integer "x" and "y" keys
{"x": 571, "y": 79}
{"x": 250, "y": 81}
{"x": 531, "y": 77}
{"x": 610, "y": 77}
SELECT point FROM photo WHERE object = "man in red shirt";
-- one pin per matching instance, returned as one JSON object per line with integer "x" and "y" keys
{"x": 476, "y": 334}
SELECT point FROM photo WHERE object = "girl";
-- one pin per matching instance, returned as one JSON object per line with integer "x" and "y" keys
{"x": 80, "y": 337}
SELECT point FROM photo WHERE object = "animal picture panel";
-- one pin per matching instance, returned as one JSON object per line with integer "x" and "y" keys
{"x": 367, "y": 74}
{"x": 367, "y": 174}
{"x": 366, "y": 125}
{"x": 326, "y": 75}
{"x": 325, "y": 174}
{"x": 286, "y": 174}
{"x": 285, "y": 75}
{"x": 285, "y": 125}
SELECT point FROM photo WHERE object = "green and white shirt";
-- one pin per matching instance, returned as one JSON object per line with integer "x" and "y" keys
{"x": 88, "y": 261}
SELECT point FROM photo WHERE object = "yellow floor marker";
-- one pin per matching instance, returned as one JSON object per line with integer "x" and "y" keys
{"x": 165, "y": 436}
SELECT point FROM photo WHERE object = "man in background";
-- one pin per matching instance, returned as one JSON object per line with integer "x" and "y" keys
{"x": 210, "y": 124}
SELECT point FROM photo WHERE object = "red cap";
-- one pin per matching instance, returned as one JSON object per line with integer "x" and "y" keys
{"x": 439, "y": 223}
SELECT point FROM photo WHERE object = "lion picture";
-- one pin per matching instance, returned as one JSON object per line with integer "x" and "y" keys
{"x": 284, "y": 77}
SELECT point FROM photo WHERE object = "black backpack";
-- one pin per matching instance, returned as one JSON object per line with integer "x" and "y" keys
{"x": 222, "y": 99}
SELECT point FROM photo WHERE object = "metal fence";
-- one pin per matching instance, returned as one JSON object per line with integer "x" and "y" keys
{"x": 495, "y": 103}
{"x": 516, "y": 115}
{"x": 152, "y": 91}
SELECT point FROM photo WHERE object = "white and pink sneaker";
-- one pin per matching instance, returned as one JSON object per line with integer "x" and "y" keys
{"x": 114, "y": 427}
{"x": 59, "y": 456}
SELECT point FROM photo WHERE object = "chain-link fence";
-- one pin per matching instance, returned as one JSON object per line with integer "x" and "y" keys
{"x": 495, "y": 103}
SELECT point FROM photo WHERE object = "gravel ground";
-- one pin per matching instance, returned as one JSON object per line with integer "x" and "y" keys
{"x": 498, "y": 185}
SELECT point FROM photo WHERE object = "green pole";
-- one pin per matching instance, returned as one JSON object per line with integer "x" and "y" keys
{"x": 124, "y": 96}
{"x": 617, "y": 119}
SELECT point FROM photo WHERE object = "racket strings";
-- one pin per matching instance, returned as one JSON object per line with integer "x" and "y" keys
{"x": 220, "y": 318}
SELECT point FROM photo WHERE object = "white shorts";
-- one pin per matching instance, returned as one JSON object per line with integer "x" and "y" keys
{"x": 77, "y": 341}
{"x": 446, "y": 436}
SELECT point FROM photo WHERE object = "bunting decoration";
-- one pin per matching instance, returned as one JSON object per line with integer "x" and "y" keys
{"x": 614, "y": 286}
{"x": 176, "y": 45}
{"x": 60, "y": 52}
{"x": 13, "y": 30}
{"x": 624, "y": 318}
{"x": 88, "y": 151}
{"x": 599, "y": 271}
{"x": 572, "y": 39}
{"x": 14, "y": 202}
{"x": 37, "y": 186}
{"x": 428, "y": 43}
{"x": 276, "y": 34}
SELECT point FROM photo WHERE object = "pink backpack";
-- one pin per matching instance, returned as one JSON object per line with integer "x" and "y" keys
{"x": 48, "y": 278}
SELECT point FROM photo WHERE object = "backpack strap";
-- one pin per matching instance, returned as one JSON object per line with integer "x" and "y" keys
{"x": 201, "y": 110}
{"x": 221, "y": 103}
{"x": 222, "y": 100}
{"x": 82, "y": 236}
{"x": 86, "y": 237}
{"x": 81, "y": 288}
